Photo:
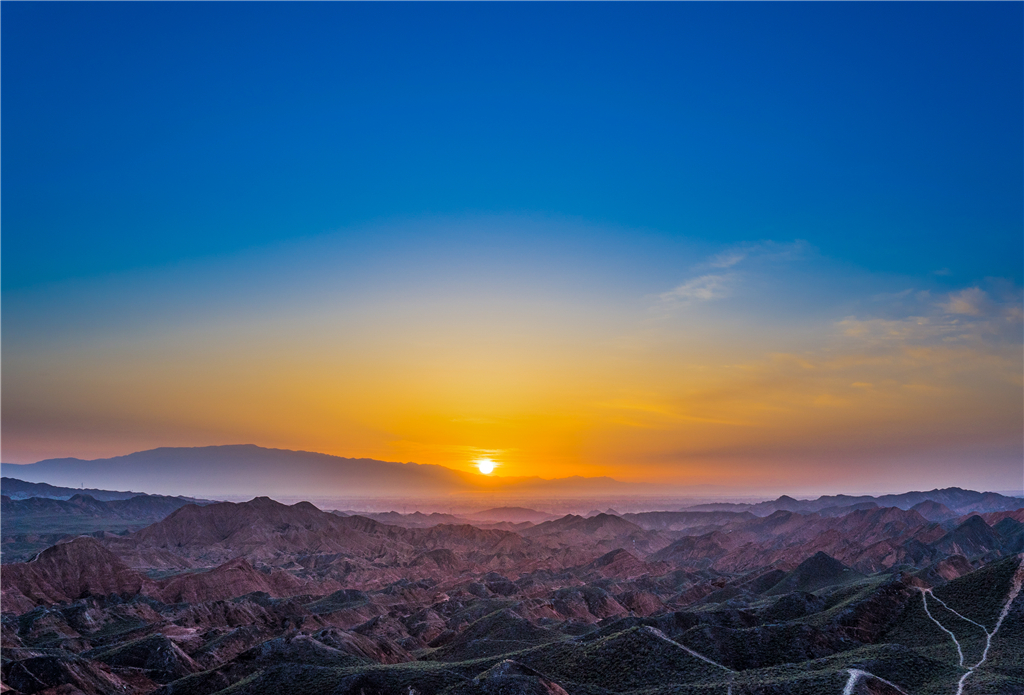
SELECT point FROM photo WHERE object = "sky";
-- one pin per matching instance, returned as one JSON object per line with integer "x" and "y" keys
{"x": 736, "y": 247}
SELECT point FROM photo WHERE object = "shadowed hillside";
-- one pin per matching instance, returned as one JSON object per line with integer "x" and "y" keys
{"x": 262, "y": 597}
{"x": 28, "y": 525}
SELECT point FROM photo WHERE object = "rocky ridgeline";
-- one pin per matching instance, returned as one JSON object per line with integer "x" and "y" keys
{"x": 262, "y": 597}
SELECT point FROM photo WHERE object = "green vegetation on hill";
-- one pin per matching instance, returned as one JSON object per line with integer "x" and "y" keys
{"x": 296, "y": 601}
{"x": 980, "y": 595}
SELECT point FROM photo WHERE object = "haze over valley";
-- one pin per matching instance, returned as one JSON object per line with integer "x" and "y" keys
{"x": 134, "y": 593}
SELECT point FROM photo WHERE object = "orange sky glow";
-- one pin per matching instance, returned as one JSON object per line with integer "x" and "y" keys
{"x": 652, "y": 387}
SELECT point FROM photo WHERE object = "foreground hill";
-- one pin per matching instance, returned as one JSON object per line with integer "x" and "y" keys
{"x": 247, "y": 470}
{"x": 261, "y": 597}
{"x": 877, "y": 634}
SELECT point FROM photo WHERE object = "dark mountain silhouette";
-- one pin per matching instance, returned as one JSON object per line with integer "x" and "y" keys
{"x": 971, "y": 539}
{"x": 32, "y": 524}
{"x": 867, "y": 540}
{"x": 413, "y": 520}
{"x": 515, "y": 515}
{"x": 934, "y": 511}
{"x": 599, "y": 526}
{"x": 33, "y": 512}
{"x": 20, "y": 490}
{"x": 956, "y": 499}
{"x": 248, "y": 470}
{"x": 619, "y": 563}
{"x": 677, "y": 521}
{"x": 577, "y": 537}
{"x": 816, "y": 572}
{"x": 846, "y": 509}
{"x": 1011, "y": 532}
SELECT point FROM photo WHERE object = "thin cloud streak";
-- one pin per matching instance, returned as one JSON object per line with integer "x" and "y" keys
{"x": 716, "y": 285}
{"x": 701, "y": 289}
{"x": 771, "y": 251}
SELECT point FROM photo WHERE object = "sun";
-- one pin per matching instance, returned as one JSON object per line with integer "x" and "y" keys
{"x": 485, "y": 466}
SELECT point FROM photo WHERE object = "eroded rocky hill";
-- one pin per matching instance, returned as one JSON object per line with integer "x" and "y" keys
{"x": 261, "y": 597}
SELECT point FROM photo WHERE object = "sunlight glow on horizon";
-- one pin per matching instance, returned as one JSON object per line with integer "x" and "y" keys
{"x": 753, "y": 246}
{"x": 644, "y": 386}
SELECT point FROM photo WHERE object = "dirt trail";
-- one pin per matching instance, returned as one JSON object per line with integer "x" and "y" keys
{"x": 1018, "y": 580}
{"x": 661, "y": 635}
{"x": 924, "y": 597}
{"x": 856, "y": 674}
{"x": 962, "y": 617}
{"x": 1015, "y": 588}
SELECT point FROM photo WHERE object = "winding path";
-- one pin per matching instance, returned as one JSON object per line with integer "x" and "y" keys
{"x": 943, "y": 603}
{"x": 661, "y": 635}
{"x": 924, "y": 598}
{"x": 856, "y": 674}
{"x": 1015, "y": 587}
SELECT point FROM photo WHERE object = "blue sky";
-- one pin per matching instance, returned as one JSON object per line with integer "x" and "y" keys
{"x": 136, "y": 135}
{"x": 739, "y": 244}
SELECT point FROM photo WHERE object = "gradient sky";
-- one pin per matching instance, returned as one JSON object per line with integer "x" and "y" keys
{"x": 759, "y": 246}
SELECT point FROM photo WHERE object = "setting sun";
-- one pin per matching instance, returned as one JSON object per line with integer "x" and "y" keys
{"x": 485, "y": 466}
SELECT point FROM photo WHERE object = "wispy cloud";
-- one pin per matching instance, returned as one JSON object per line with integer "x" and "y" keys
{"x": 972, "y": 301}
{"x": 914, "y": 317}
{"x": 763, "y": 250}
{"x": 728, "y": 259}
{"x": 717, "y": 285}
{"x": 652, "y": 414}
{"x": 700, "y": 289}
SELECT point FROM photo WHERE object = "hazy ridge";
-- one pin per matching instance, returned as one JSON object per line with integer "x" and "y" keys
{"x": 247, "y": 470}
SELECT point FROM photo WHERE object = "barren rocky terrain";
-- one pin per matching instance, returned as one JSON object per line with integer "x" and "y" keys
{"x": 263, "y": 597}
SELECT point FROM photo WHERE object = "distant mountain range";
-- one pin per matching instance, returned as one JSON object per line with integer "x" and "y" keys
{"x": 247, "y": 470}
{"x": 935, "y": 505}
{"x": 263, "y": 598}
{"x": 20, "y": 490}
{"x": 166, "y": 597}
{"x": 32, "y": 523}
